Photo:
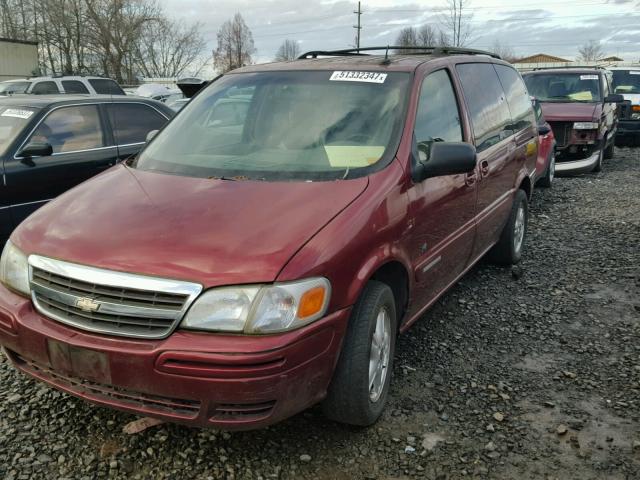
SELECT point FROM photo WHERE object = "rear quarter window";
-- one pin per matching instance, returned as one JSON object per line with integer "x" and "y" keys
{"x": 106, "y": 86}
{"x": 486, "y": 102}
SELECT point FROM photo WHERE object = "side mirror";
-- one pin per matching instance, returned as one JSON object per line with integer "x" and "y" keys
{"x": 544, "y": 129}
{"x": 445, "y": 159}
{"x": 614, "y": 98}
{"x": 36, "y": 149}
{"x": 150, "y": 135}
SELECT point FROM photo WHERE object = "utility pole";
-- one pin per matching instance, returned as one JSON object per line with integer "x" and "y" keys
{"x": 358, "y": 27}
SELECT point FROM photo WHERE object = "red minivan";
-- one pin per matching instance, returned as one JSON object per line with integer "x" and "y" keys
{"x": 264, "y": 250}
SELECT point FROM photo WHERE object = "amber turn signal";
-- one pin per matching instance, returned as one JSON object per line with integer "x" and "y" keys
{"x": 311, "y": 302}
{"x": 636, "y": 108}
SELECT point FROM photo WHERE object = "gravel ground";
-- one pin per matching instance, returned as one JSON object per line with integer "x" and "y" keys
{"x": 526, "y": 374}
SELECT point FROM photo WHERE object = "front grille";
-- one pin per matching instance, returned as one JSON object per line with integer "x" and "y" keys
{"x": 109, "y": 302}
{"x": 109, "y": 393}
{"x": 562, "y": 132}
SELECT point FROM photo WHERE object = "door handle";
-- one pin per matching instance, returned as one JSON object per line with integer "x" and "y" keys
{"x": 471, "y": 178}
{"x": 484, "y": 168}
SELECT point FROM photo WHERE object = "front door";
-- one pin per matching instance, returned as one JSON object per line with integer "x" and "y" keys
{"x": 443, "y": 208}
{"x": 80, "y": 151}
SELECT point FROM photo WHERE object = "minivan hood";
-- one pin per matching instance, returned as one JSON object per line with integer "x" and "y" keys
{"x": 572, "y": 111}
{"x": 214, "y": 232}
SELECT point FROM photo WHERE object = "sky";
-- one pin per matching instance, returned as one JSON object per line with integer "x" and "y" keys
{"x": 557, "y": 27}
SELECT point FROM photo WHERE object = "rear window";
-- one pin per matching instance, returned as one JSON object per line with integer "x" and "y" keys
{"x": 132, "y": 122}
{"x": 106, "y": 86}
{"x": 74, "y": 86}
{"x": 9, "y": 88}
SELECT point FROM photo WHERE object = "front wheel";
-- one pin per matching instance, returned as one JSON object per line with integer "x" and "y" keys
{"x": 360, "y": 384}
{"x": 608, "y": 151}
{"x": 508, "y": 250}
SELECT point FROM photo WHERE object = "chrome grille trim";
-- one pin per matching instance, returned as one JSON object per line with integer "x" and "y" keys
{"x": 130, "y": 305}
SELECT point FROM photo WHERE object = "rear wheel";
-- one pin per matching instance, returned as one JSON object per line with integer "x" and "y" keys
{"x": 508, "y": 250}
{"x": 360, "y": 384}
{"x": 550, "y": 174}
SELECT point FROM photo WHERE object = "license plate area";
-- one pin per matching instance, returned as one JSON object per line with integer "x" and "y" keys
{"x": 79, "y": 362}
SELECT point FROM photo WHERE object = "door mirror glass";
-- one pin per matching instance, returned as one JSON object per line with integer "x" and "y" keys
{"x": 614, "y": 98}
{"x": 151, "y": 134}
{"x": 544, "y": 129}
{"x": 36, "y": 149}
{"x": 445, "y": 159}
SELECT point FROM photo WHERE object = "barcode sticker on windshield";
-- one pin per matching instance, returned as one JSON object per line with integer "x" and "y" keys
{"x": 17, "y": 113}
{"x": 588, "y": 77}
{"x": 634, "y": 72}
{"x": 370, "y": 77}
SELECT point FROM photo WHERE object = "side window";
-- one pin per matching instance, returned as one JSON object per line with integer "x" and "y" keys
{"x": 438, "y": 116}
{"x": 105, "y": 86}
{"x": 74, "y": 86}
{"x": 131, "y": 122}
{"x": 71, "y": 129}
{"x": 485, "y": 98}
{"x": 517, "y": 97}
{"x": 45, "y": 88}
{"x": 607, "y": 85}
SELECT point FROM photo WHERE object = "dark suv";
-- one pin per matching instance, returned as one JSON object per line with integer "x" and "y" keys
{"x": 244, "y": 268}
{"x": 49, "y": 144}
{"x": 579, "y": 105}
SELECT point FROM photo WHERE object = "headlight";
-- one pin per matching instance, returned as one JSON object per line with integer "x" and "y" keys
{"x": 14, "y": 269}
{"x": 260, "y": 309}
{"x": 585, "y": 126}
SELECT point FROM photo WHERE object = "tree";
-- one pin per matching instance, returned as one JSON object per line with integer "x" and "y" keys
{"x": 505, "y": 51}
{"x": 590, "y": 51}
{"x": 457, "y": 20}
{"x": 289, "y": 50}
{"x": 235, "y": 45}
{"x": 424, "y": 36}
{"x": 168, "y": 48}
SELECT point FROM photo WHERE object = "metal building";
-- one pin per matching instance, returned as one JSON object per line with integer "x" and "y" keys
{"x": 18, "y": 58}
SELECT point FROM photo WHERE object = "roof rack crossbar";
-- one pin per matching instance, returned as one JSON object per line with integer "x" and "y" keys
{"x": 577, "y": 67}
{"x": 404, "y": 50}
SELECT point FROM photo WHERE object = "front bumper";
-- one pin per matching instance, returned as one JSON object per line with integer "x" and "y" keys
{"x": 578, "y": 166}
{"x": 628, "y": 130}
{"x": 234, "y": 382}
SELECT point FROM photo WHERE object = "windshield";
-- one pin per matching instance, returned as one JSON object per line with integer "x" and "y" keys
{"x": 284, "y": 126}
{"x": 7, "y": 88}
{"x": 626, "y": 81}
{"x": 564, "y": 87}
{"x": 12, "y": 121}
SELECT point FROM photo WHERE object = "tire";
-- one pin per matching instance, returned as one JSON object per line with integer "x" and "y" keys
{"x": 550, "y": 174}
{"x": 508, "y": 250}
{"x": 598, "y": 166}
{"x": 608, "y": 151}
{"x": 350, "y": 399}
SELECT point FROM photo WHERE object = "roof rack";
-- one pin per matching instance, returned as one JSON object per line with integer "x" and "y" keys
{"x": 405, "y": 51}
{"x": 577, "y": 67}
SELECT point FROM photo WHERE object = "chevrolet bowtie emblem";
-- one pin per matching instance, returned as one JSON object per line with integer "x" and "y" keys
{"x": 87, "y": 304}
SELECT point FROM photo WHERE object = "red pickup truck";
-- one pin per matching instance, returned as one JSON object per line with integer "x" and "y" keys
{"x": 582, "y": 112}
